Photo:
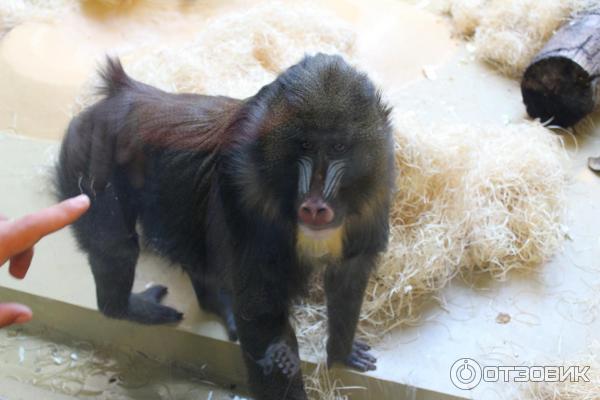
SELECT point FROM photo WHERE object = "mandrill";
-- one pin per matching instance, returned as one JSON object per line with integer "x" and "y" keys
{"x": 248, "y": 196}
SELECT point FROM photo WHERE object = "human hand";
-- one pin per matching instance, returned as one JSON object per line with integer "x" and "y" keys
{"x": 18, "y": 237}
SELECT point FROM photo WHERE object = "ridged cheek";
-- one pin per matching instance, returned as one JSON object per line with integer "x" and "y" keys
{"x": 304, "y": 175}
{"x": 333, "y": 177}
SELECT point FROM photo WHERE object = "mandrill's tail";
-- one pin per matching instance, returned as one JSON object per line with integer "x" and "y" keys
{"x": 114, "y": 77}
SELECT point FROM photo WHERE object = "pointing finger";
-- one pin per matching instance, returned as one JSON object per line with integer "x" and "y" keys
{"x": 22, "y": 234}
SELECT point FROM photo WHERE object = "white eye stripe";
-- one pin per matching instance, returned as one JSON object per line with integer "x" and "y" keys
{"x": 332, "y": 188}
{"x": 335, "y": 172}
{"x": 305, "y": 174}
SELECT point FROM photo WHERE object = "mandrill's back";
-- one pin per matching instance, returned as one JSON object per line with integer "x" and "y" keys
{"x": 153, "y": 154}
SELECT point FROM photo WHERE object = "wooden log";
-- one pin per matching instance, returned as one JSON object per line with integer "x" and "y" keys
{"x": 561, "y": 84}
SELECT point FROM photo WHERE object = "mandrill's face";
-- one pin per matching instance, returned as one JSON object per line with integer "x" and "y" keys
{"x": 323, "y": 161}
{"x": 321, "y": 168}
{"x": 323, "y": 158}
{"x": 338, "y": 164}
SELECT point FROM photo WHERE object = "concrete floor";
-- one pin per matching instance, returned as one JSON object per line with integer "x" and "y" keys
{"x": 554, "y": 311}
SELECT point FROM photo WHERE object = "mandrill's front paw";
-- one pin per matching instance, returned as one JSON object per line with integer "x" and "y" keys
{"x": 282, "y": 356}
{"x": 359, "y": 358}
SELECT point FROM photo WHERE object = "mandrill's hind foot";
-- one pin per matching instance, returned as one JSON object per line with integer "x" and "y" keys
{"x": 145, "y": 308}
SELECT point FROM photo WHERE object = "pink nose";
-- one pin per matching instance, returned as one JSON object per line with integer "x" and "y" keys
{"x": 314, "y": 211}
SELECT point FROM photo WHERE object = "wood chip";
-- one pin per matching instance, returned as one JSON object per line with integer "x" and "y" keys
{"x": 430, "y": 73}
{"x": 502, "y": 318}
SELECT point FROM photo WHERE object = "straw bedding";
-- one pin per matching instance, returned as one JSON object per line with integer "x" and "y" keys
{"x": 237, "y": 53}
{"x": 13, "y": 12}
{"x": 567, "y": 390}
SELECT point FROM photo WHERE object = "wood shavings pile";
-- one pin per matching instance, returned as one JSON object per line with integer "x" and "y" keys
{"x": 237, "y": 53}
{"x": 567, "y": 390}
{"x": 508, "y": 34}
{"x": 13, "y": 12}
{"x": 321, "y": 385}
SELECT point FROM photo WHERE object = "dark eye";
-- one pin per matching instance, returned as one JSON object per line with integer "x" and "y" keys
{"x": 339, "y": 148}
{"x": 306, "y": 145}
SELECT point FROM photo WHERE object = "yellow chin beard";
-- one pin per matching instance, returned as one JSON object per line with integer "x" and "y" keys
{"x": 317, "y": 244}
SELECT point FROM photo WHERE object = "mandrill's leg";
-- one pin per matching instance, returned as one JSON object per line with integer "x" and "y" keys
{"x": 271, "y": 356}
{"x": 268, "y": 342}
{"x": 212, "y": 283}
{"x": 214, "y": 298}
{"x": 345, "y": 286}
{"x": 113, "y": 252}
